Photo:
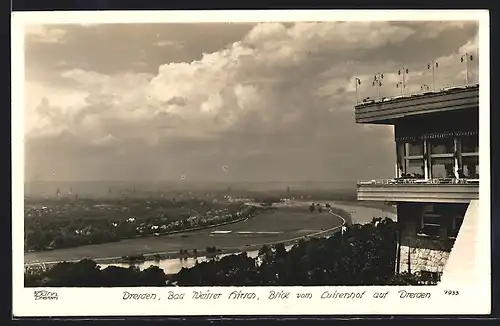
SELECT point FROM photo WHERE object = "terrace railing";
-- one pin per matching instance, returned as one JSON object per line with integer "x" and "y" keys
{"x": 368, "y": 100}
{"x": 440, "y": 181}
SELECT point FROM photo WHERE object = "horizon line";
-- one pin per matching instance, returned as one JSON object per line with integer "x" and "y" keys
{"x": 190, "y": 181}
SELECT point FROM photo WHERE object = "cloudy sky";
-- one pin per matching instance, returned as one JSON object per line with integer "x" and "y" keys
{"x": 270, "y": 101}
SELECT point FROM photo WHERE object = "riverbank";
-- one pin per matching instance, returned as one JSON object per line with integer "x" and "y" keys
{"x": 167, "y": 233}
{"x": 288, "y": 224}
{"x": 268, "y": 227}
{"x": 222, "y": 250}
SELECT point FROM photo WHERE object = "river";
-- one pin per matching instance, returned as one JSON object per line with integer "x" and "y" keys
{"x": 359, "y": 215}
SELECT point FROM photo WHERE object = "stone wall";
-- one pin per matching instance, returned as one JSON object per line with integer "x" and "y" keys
{"x": 426, "y": 253}
{"x": 422, "y": 259}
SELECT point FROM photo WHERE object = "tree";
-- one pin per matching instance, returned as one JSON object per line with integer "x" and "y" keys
{"x": 153, "y": 276}
{"x": 119, "y": 276}
{"x": 264, "y": 250}
{"x": 81, "y": 274}
{"x": 211, "y": 252}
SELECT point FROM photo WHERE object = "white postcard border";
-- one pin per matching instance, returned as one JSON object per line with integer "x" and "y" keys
{"x": 474, "y": 295}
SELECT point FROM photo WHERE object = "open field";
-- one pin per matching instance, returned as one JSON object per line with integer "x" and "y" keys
{"x": 360, "y": 212}
{"x": 280, "y": 225}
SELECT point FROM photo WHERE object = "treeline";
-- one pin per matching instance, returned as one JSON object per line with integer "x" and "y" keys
{"x": 362, "y": 255}
{"x": 87, "y": 273}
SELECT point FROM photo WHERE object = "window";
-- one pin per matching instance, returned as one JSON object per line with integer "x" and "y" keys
{"x": 442, "y": 158}
{"x": 431, "y": 222}
{"x": 414, "y": 159}
{"x": 470, "y": 145}
{"x": 415, "y": 148}
{"x": 442, "y": 146}
{"x": 470, "y": 157}
{"x": 456, "y": 223}
{"x": 414, "y": 167}
{"x": 470, "y": 166}
{"x": 442, "y": 167}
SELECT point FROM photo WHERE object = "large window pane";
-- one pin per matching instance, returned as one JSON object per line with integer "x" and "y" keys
{"x": 415, "y": 168}
{"x": 470, "y": 166}
{"x": 434, "y": 219}
{"x": 442, "y": 168}
{"x": 442, "y": 146}
{"x": 470, "y": 144}
{"x": 415, "y": 148}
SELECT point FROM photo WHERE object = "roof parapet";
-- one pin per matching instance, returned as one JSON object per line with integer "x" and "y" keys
{"x": 439, "y": 181}
{"x": 443, "y": 91}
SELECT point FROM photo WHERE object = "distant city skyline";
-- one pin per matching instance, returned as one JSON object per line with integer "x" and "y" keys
{"x": 224, "y": 102}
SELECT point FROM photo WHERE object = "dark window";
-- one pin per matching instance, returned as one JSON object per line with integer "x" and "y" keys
{"x": 470, "y": 166}
{"x": 413, "y": 159}
{"x": 442, "y": 146}
{"x": 430, "y": 230}
{"x": 414, "y": 148}
{"x": 455, "y": 224}
{"x": 415, "y": 167}
{"x": 431, "y": 221}
{"x": 442, "y": 161}
{"x": 442, "y": 167}
{"x": 470, "y": 144}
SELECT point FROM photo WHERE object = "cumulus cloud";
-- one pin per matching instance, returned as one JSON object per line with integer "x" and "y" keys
{"x": 223, "y": 87}
{"x": 278, "y": 91}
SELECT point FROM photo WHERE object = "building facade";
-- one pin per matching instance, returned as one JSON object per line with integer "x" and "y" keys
{"x": 436, "y": 171}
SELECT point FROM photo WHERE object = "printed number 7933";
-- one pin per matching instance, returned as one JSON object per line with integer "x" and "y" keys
{"x": 450, "y": 292}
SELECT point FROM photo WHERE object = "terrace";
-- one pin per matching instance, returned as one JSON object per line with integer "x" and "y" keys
{"x": 442, "y": 190}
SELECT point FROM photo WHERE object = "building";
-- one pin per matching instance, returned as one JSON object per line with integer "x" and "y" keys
{"x": 436, "y": 184}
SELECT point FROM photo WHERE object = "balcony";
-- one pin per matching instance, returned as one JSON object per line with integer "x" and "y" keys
{"x": 414, "y": 190}
{"x": 387, "y": 110}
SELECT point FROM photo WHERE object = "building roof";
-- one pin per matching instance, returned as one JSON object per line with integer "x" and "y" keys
{"x": 392, "y": 109}
{"x": 443, "y": 91}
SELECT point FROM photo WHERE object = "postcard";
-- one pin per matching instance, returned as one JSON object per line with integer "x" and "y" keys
{"x": 184, "y": 163}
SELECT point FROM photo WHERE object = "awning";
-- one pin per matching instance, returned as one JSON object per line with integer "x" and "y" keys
{"x": 437, "y": 135}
